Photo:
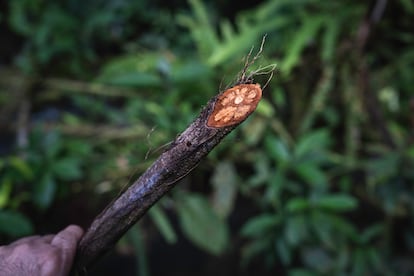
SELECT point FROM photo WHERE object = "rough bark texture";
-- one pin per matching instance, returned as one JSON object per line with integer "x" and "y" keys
{"x": 177, "y": 161}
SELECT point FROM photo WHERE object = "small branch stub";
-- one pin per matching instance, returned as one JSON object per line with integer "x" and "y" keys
{"x": 234, "y": 105}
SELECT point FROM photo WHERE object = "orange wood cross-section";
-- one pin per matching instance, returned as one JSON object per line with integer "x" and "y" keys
{"x": 234, "y": 105}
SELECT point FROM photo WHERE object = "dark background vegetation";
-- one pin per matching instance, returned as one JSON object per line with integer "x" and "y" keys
{"x": 319, "y": 181}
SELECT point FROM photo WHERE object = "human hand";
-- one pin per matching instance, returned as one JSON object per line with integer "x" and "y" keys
{"x": 41, "y": 255}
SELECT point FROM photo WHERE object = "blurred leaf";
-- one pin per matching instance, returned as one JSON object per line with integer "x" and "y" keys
{"x": 254, "y": 248}
{"x": 51, "y": 143}
{"x": 190, "y": 71}
{"x": 277, "y": 183}
{"x": 201, "y": 225}
{"x": 71, "y": 119}
{"x": 380, "y": 169}
{"x": 284, "y": 252}
{"x": 201, "y": 28}
{"x": 360, "y": 263}
{"x": 5, "y": 191}
{"x": 370, "y": 233}
{"x": 163, "y": 224}
{"x": 337, "y": 202}
{"x": 14, "y": 224}
{"x": 311, "y": 142}
{"x": 408, "y": 5}
{"x": 265, "y": 108}
{"x": 311, "y": 174}
{"x": 44, "y": 191}
{"x": 375, "y": 259}
{"x": 67, "y": 168}
{"x": 331, "y": 228}
{"x": 136, "y": 238}
{"x": 22, "y": 167}
{"x": 277, "y": 149}
{"x": 302, "y": 38}
{"x": 224, "y": 181}
{"x": 79, "y": 148}
{"x": 318, "y": 259}
{"x": 262, "y": 171}
{"x": 295, "y": 230}
{"x": 138, "y": 70}
{"x": 254, "y": 130}
{"x": 329, "y": 39}
{"x": 260, "y": 224}
{"x": 297, "y": 204}
{"x": 301, "y": 272}
{"x": 136, "y": 79}
{"x": 321, "y": 225}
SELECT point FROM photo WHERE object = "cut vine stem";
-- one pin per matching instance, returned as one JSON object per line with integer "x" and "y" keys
{"x": 183, "y": 155}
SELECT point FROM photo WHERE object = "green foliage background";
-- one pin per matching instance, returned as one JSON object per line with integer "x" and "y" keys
{"x": 318, "y": 182}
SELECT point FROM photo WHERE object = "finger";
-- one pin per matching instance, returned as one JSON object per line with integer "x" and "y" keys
{"x": 44, "y": 239}
{"x": 33, "y": 240}
{"x": 67, "y": 241}
{"x": 24, "y": 240}
{"x": 72, "y": 234}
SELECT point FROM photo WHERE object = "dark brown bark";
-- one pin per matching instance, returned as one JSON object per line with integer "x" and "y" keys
{"x": 177, "y": 161}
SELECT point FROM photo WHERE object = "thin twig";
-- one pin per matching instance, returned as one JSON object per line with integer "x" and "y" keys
{"x": 248, "y": 63}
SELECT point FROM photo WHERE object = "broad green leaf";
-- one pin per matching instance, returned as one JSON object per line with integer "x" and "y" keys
{"x": 297, "y": 204}
{"x": 277, "y": 149}
{"x": 371, "y": 233}
{"x": 261, "y": 224}
{"x": 295, "y": 229}
{"x": 265, "y": 108}
{"x": 71, "y": 119}
{"x": 262, "y": 171}
{"x": 318, "y": 259}
{"x": 374, "y": 258}
{"x": 330, "y": 226}
{"x": 337, "y": 202}
{"x": 67, "y": 168}
{"x": 311, "y": 143}
{"x": 120, "y": 65}
{"x": 44, "y": 191}
{"x": 14, "y": 224}
{"x": 342, "y": 225}
{"x": 311, "y": 174}
{"x": 224, "y": 182}
{"x": 22, "y": 167}
{"x": 284, "y": 251}
{"x": 254, "y": 130}
{"x": 135, "y": 79}
{"x": 79, "y": 148}
{"x": 201, "y": 225}
{"x": 6, "y": 186}
{"x": 382, "y": 168}
{"x": 189, "y": 71}
{"x": 51, "y": 143}
{"x": 359, "y": 262}
{"x": 322, "y": 227}
{"x": 254, "y": 248}
{"x": 163, "y": 224}
{"x": 276, "y": 184}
